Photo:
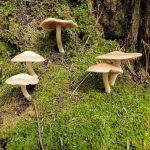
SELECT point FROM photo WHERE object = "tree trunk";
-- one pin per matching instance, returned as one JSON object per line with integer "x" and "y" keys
{"x": 144, "y": 34}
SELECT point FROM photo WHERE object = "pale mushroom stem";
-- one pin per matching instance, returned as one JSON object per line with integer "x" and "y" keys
{"x": 113, "y": 76}
{"x": 59, "y": 41}
{"x": 106, "y": 82}
{"x": 25, "y": 93}
{"x": 30, "y": 69}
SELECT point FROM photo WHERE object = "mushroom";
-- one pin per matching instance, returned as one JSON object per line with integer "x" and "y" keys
{"x": 58, "y": 24}
{"x": 23, "y": 79}
{"x": 28, "y": 57}
{"x": 105, "y": 68}
{"x": 117, "y": 56}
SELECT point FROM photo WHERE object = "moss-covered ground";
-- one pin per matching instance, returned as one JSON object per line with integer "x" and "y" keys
{"x": 87, "y": 119}
{"x": 83, "y": 118}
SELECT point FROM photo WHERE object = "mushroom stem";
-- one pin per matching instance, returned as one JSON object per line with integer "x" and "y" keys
{"x": 25, "y": 93}
{"x": 58, "y": 38}
{"x": 106, "y": 83}
{"x": 113, "y": 75}
{"x": 30, "y": 69}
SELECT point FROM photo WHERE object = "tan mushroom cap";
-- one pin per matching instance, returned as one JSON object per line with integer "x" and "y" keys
{"x": 118, "y": 55}
{"x": 51, "y": 23}
{"x": 28, "y": 56}
{"x": 22, "y": 79}
{"x": 104, "y": 68}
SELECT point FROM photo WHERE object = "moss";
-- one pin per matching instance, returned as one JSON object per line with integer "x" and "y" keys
{"x": 24, "y": 136}
{"x": 9, "y": 7}
{"x": 26, "y": 33}
{"x": 88, "y": 119}
{"x": 6, "y": 51}
{"x": 85, "y": 23}
{"x": 7, "y": 10}
{"x": 22, "y": 24}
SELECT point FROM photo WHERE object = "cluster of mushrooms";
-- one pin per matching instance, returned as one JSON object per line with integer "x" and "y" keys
{"x": 24, "y": 79}
{"x": 111, "y": 71}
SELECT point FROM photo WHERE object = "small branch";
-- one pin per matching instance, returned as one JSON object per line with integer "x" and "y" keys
{"x": 96, "y": 23}
{"x": 39, "y": 125}
{"x": 136, "y": 91}
{"x": 147, "y": 53}
{"x": 79, "y": 84}
{"x": 128, "y": 144}
{"x": 130, "y": 68}
{"x": 98, "y": 18}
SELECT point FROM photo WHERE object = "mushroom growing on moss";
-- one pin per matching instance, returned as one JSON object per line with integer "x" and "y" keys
{"x": 117, "y": 57}
{"x": 28, "y": 57}
{"x": 58, "y": 24}
{"x": 23, "y": 79}
{"x": 105, "y": 68}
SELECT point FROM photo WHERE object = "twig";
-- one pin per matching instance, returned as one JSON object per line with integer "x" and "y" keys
{"x": 136, "y": 91}
{"x": 130, "y": 68}
{"x": 128, "y": 144}
{"x": 79, "y": 84}
{"x": 146, "y": 54}
{"x": 39, "y": 125}
{"x": 61, "y": 143}
{"x": 96, "y": 22}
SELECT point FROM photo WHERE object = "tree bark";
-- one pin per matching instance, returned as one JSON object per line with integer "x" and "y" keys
{"x": 144, "y": 34}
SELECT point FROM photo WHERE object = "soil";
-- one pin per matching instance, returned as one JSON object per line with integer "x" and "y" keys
{"x": 16, "y": 108}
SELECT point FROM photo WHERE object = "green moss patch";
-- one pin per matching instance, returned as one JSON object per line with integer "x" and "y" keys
{"x": 86, "y": 118}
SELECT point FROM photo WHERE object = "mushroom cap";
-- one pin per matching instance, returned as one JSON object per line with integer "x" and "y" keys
{"x": 118, "y": 55}
{"x": 51, "y": 23}
{"x": 28, "y": 56}
{"x": 104, "y": 68}
{"x": 22, "y": 79}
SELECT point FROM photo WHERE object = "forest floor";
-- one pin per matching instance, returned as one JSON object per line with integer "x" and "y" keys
{"x": 74, "y": 116}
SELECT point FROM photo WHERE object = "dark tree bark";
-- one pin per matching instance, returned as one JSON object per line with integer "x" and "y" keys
{"x": 144, "y": 33}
